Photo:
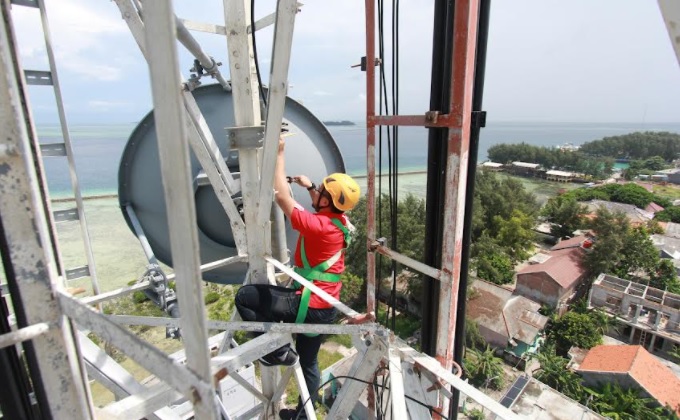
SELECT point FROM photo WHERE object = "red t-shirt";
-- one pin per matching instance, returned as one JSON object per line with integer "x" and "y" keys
{"x": 322, "y": 240}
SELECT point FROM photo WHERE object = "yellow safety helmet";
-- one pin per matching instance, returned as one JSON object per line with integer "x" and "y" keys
{"x": 344, "y": 191}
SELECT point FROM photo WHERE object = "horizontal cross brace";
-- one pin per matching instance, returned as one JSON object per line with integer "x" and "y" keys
{"x": 38, "y": 77}
{"x": 53, "y": 149}
{"x": 23, "y": 334}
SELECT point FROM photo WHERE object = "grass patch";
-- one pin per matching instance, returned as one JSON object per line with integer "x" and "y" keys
{"x": 670, "y": 192}
{"x": 326, "y": 359}
{"x": 342, "y": 339}
{"x": 405, "y": 324}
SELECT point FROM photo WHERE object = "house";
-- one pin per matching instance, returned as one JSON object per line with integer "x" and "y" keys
{"x": 524, "y": 168}
{"x": 668, "y": 246}
{"x": 635, "y": 215}
{"x": 672, "y": 175}
{"x": 559, "y": 176}
{"x": 492, "y": 166}
{"x": 579, "y": 241}
{"x": 506, "y": 321}
{"x": 557, "y": 281}
{"x": 631, "y": 367}
{"x": 650, "y": 317}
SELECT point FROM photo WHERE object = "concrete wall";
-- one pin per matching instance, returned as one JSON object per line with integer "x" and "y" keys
{"x": 592, "y": 379}
{"x": 493, "y": 338}
{"x": 539, "y": 287}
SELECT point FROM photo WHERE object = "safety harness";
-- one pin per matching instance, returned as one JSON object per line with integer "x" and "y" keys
{"x": 317, "y": 273}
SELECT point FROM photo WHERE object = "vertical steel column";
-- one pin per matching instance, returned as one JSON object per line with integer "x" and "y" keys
{"x": 174, "y": 156}
{"x": 370, "y": 153}
{"x": 245, "y": 90}
{"x": 28, "y": 259}
{"x": 462, "y": 75}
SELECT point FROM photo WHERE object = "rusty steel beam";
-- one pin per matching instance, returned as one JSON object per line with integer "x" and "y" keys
{"x": 370, "y": 153}
{"x": 431, "y": 119}
{"x": 462, "y": 81}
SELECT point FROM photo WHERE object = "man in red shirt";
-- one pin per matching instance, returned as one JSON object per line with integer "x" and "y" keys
{"x": 319, "y": 257}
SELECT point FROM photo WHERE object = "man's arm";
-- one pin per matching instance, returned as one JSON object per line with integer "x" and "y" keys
{"x": 283, "y": 197}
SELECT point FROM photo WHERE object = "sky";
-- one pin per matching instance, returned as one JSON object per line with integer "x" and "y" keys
{"x": 547, "y": 61}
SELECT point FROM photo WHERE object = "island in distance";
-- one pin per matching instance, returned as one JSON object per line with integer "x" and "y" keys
{"x": 343, "y": 122}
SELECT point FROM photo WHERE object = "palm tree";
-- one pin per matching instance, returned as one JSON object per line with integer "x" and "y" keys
{"x": 554, "y": 373}
{"x": 485, "y": 368}
{"x": 618, "y": 403}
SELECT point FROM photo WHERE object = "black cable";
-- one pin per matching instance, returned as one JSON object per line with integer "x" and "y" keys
{"x": 257, "y": 62}
{"x": 429, "y": 407}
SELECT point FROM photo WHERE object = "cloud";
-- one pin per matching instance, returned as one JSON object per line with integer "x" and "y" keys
{"x": 82, "y": 35}
{"x": 99, "y": 105}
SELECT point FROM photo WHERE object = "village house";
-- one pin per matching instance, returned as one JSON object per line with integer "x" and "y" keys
{"x": 631, "y": 367}
{"x": 557, "y": 279}
{"x": 506, "y": 321}
{"x": 524, "y": 168}
{"x": 635, "y": 215}
{"x": 671, "y": 175}
{"x": 492, "y": 166}
{"x": 559, "y": 176}
{"x": 651, "y": 317}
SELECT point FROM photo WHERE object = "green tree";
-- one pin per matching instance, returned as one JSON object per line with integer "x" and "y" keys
{"x": 664, "y": 276}
{"x": 615, "y": 402}
{"x": 566, "y": 215}
{"x": 473, "y": 338}
{"x": 669, "y": 214}
{"x": 353, "y": 292}
{"x": 554, "y": 373}
{"x": 515, "y": 234}
{"x": 484, "y": 369}
{"x": 575, "y": 329}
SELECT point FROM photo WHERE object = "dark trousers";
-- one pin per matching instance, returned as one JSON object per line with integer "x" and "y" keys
{"x": 265, "y": 303}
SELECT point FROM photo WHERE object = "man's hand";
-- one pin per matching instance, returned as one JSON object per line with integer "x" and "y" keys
{"x": 302, "y": 181}
{"x": 360, "y": 319}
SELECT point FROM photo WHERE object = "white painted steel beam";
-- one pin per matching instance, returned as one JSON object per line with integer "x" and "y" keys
{"x": 91, "y": 300}
{"x": 103, "y": 369}
{"x": 200, "y": 138}
{"x": 304, "y": 392}
{"x": 276, "y": 327}
{"x": 143, "y": 403}
{"x": 434, "y": 367}
{"x": 276, "y": 100}
{"x": 160, "y": 30}
{"x": 397, "y": 386}
{"x": 23, "y": 334}
{"x": 414, "y": 389}
{"x": 363, "y": 369}
{"x": 670, "y": 11}
{"x": 245, "y": 92}
{"x": 315, "y": 289}
{"x": 250, "y": 351}
{"x": 167, "y": 369}
{"x": 27, "y": 239}
{"x": 66, "y": 135}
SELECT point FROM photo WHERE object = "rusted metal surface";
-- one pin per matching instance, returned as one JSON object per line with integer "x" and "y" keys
{"x": 408, "y": 262}
{"x": 370, "y": 152}
{"x": 431, "y": 119}
{"x": 463, "y": 62}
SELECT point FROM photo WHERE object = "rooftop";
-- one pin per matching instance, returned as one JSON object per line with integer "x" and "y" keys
{"x": 563, "y": 266}
{"x": 636, "y": 215}
{"x": 574, "y": 242}
{"x": 655, "y": 378}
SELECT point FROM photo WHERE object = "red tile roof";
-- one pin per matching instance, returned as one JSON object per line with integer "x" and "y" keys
{"x": 655, "y": 378}
{"x": 654, "y": 208}
{"x": 574, "y": 242}
{"x": 563, "y": 266}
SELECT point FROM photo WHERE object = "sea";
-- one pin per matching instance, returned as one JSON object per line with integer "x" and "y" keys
{"x": 118, "y": 255}
{"x": 97, "y": 148}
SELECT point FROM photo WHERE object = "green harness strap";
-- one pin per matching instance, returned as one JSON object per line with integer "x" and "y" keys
{"x": 317, "y": 273}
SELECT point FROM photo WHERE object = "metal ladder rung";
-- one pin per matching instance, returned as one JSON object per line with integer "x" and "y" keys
{"x": 38, "y": 77}
{"x": 53, "y": 149}
{"x": 78, "y": 272}
{"x": 27, "y": 3}
{"x": 67, "y": 215}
